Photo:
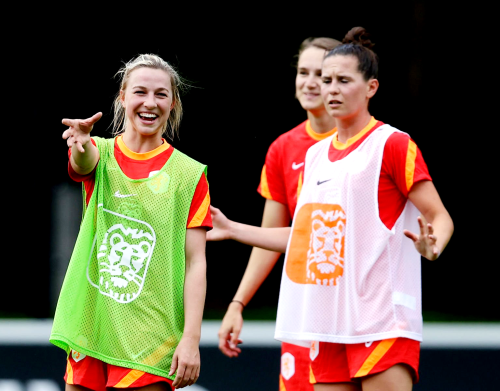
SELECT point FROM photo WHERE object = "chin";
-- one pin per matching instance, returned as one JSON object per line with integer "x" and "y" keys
{"x": 311, "y": 105}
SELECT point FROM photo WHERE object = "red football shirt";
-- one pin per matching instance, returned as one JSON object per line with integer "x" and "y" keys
{"x": 283, "y": 172}
{"x": 142, "y": 165}
{"x": 402, "y": 167}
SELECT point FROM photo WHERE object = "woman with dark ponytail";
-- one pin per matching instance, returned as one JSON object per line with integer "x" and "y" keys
{"x": 367, "y": 213}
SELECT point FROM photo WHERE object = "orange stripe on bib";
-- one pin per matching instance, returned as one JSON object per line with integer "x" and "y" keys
{"x": 375, "y": 356}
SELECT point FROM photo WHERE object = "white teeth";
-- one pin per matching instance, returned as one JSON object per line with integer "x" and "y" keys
{"x": 148, "y": 115}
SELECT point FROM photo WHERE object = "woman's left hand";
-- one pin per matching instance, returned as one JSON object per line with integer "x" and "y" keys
{"x": 186, "y": 361}
{"x": 425, "y": 243}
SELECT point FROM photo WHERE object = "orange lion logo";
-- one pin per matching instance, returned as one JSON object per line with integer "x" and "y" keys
{"x": 316, "y": 254}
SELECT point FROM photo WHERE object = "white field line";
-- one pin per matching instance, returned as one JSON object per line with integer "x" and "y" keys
{"x": 261, "y": 334}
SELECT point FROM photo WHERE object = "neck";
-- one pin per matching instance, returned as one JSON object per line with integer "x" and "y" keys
{"x": 321, "y": 121}
{"x": 351, "y": 126}
{"x": 139, "y": 143}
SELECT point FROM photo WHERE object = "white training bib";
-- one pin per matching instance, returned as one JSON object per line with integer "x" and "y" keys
{"x": 347, "y": 278}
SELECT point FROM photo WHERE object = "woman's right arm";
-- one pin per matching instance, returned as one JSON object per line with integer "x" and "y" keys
{"x": 273, "y": 239}
{"x": 84, "y": 154}
{"x": 259, "y": 266}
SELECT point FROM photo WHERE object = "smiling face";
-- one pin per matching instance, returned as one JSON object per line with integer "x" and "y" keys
{"x": 345, "y": 91}
{"x": 308, "y": 79}
{"x": 147, "y": 99}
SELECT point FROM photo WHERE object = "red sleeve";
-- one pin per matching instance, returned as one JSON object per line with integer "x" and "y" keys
{"x": 199, "y": 212}
{"x": 272, "y": 184}
{"x": 402, "y": 167}
{"x": 88, "y": 180}
{"x": 404, "y": 163}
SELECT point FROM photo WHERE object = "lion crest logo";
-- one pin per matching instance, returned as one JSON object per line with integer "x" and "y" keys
{"x": 119, "y": 262}
{"x": 316, "y": 253}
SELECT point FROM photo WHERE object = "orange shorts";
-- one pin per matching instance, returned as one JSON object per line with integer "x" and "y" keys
{"x": 97, "y": 375}
{"x": 348, "y": 363}
{"x": 295, "y": 363}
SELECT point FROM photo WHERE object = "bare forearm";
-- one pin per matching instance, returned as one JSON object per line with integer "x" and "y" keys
{"x": 84, "y": 163}
{"x": 272, "y": 239}
{"x": 443, "y": 229}
{"x": 194, "y": 297}
{"x": 259, "y": 266}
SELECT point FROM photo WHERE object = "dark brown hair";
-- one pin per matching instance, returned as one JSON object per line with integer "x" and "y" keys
{"x": 357, "y": 43}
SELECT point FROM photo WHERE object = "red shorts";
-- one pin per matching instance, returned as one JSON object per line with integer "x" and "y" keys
{"x": 295, "y": 368}
{"x": 348, "y": 363}
{"x": 97, "y": 375}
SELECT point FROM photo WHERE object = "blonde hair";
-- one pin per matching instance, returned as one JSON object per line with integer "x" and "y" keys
{"x": 154, "y": 62}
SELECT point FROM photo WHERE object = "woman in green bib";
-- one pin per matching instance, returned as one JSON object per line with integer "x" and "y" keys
{"x": 131, "y": 305}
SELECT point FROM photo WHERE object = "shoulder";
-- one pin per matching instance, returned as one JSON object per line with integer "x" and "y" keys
{"x": 283, "y": 139}
{"x": 397, "y": 139}
{"x": 187, "y": 165}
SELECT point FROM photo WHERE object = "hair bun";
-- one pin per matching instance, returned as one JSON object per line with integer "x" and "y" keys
{"x": 359, "y": 36}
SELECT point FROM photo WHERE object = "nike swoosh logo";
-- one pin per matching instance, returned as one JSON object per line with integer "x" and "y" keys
{"x": 296, "y": 166}
{"x": 117, "y": 194}
{"x": 326, "y": 180}
{"x": 135, "y": 356}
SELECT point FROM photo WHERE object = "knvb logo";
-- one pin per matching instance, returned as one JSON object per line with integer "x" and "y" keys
{"x": 316, "y": 254}
{"x": 118, "y": 267}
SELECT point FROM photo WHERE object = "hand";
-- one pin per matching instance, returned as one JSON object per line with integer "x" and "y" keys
{"x": 78, "y": 133}
{"x": 425, "y": 243}
{"x": 186, "y": 361}
{"x": 229, "y": 331}
{"x": 221, "y": 230}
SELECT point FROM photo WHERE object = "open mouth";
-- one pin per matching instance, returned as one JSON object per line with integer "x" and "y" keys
{"x": 148, "y": 117}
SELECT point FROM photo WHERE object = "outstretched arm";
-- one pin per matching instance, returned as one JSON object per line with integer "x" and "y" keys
{"x": 259, "y": 266}
{"x": 273, "y": 239}
{"x": 186, "y": 359}
{"x": 84, "y": 154}
{"x": 436, "y": 225}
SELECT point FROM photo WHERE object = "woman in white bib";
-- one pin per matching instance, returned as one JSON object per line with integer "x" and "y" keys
{"x": 368, "y": 211}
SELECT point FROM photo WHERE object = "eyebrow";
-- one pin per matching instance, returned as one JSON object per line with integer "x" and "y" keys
{"x": 162, "y": 88}
{"x": 307, "y": 69}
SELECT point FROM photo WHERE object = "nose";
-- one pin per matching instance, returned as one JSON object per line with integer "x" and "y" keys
{"x": 333, "y": 88}
{"x": 150, "y": 102}
{"x": 312, "y": 81}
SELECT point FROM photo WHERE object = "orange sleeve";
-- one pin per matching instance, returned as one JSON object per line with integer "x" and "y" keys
{"x": 199, "y": 212}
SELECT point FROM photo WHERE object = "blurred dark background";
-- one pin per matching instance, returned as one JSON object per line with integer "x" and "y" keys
{"x": 434, "y": 84}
